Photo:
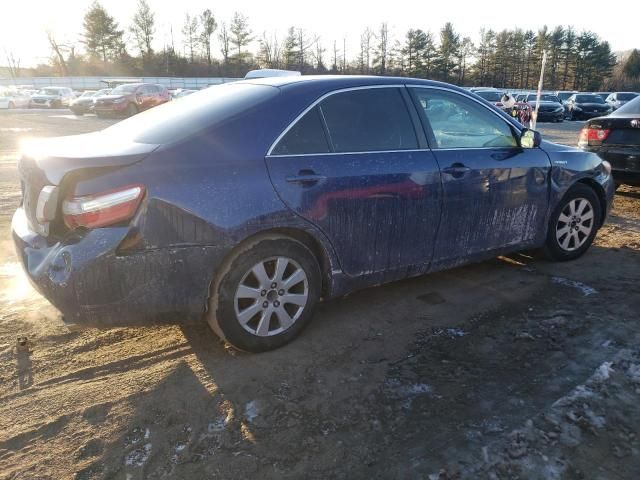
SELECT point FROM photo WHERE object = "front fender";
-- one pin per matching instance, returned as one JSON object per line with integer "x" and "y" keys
{"x": 571, "y": 165}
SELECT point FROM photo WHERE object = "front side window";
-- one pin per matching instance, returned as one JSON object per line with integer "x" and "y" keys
{"x": 366, "y": 120}
{"x": 459, "y": 122}
{"x": 305, "y": 136}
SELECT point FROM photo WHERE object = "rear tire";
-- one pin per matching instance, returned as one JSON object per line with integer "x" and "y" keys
{"x": 263, "y": 311}
{"x": 573, "y": 224}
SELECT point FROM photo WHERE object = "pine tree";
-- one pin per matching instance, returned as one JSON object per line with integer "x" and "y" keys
{"x": 102, "y": 37}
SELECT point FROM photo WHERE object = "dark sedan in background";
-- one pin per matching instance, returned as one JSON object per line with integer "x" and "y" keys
{"x": 129, "y": 99}
{"x": 550, "y": 109}
{"x": 248, "y": 202}
{"x": 616, "y": 138}
{"x": 582, "y": 106}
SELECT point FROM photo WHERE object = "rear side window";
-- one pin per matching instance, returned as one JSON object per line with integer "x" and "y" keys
{"x": 306, "y": 136}
{"x": 633, "y": 107}
{"x": 374, "y": 119}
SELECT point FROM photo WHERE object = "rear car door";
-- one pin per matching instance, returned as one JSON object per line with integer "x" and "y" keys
{"x": 352, "y": 165}
{"x": 495, "y": 193}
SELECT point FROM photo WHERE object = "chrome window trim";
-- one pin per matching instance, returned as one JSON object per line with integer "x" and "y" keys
{"x": 345, "y": 153}
{"x": 310, "y": 107}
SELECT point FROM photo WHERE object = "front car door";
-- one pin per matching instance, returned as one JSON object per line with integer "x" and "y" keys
{"x": 352, "y": 164}
{"x": 495, "y": 193}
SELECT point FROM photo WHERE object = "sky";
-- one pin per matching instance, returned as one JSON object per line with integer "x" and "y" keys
{"x": 26, "y": 21}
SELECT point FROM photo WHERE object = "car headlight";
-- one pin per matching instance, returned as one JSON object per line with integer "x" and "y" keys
{"x": 606, "y": 166}
{"x": 559, "y": 109}
{"x": 119, "y": 100}
{"x": 575, "y": 107}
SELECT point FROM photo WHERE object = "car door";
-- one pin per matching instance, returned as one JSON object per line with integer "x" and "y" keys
{"x": 352, "y": 165}
{"x": 495, "y": 193}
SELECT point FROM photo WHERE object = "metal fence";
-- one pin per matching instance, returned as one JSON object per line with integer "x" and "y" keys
{"x": 93, "y": 83}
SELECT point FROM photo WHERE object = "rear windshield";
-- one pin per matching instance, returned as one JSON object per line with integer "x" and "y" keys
{"x": 589, "y": 99}
{"x": 633, "y": 107}
{"x": 626, "y": 96}
{"x": 174, "y": 121}
{"x": 490, "y": 96}
{"x": 545, "y": 97}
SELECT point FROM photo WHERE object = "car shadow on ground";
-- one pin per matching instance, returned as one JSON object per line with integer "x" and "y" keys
{"x": 393, "y": 381}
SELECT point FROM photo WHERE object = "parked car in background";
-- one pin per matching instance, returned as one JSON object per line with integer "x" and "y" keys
{"x": 271, "y": 72}
{"x": 550, "y": 108}
{"x": 494, "y": 97}
{"x": 183, "y": 92}
{"x": 604, "y": 95}
{"x": 84, "y": 103}
{"x": 618, "y": 99}
{"x": 129, "y": 99}
{"x": 52, "y": 97}
{"x": 616, "y": 139}
{"x": 248, "y": 202}
{"x": 13, "y": 98}
{"x": 581, "y": 106}
{"x": 564, "y": 95}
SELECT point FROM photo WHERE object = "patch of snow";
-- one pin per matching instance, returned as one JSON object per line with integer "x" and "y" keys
{"x": 147, "y": 434}
{"x": 251, "y": 411}
{"x": 585, "y": 289}
{"x": 139, "y": 456}
{"x": 634, "y": 372}
{"x": 449, "y": 332}
{"x": 603, "y": 372}
{"x": 180, "y": 447}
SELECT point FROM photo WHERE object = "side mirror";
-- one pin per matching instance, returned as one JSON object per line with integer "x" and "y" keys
{"x": 530, "y": 139}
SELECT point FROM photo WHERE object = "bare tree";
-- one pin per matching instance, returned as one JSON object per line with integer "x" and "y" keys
{"x": 13, "y": 63}
{"x": 190, "y": 32}
{"x": 225, "y": 42}
{"x": 334, "y": 66}
{"x": 270, "y": 52}
{"x": 209, "y": 26}
{"x": 143, "y": 28}
{"x": 365, "y": 50}
{"x": 58, "y": 51}
{"x": 381, "y": 53}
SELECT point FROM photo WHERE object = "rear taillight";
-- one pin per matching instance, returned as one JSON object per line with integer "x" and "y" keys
{"x": 102, "y": 209}
{"x": 593, "y": 136}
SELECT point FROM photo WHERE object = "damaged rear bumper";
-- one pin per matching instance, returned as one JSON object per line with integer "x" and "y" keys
{"x": 90, "y": 282}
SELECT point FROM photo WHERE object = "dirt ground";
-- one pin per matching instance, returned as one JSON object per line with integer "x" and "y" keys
{"x": 515, "y": 368}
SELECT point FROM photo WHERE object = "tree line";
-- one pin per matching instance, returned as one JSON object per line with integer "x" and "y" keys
{"x": 211, "y": 47}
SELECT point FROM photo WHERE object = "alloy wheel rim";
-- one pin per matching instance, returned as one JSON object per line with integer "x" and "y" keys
{"x": 575, "y": 224}
{"x": 271, "y": 296}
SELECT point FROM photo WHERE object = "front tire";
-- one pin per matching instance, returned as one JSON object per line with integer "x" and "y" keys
{"x": 265, "y": 294}
{"x": 573, "y": 224}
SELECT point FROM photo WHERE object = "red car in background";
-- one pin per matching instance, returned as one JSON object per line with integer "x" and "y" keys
{"x": 129, "y": 99}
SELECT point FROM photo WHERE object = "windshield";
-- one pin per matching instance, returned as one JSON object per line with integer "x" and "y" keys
{"x": 545, "y": 97}
{"x": 490, "y": 96}
{"x": 49, "y": 91}
{"x": 632, "y": 107}
{"x": 174, "y": 121}
{"x": 120, "y": 89}
{"x": 564, "y": 95}
{"x": 626, "y": 96}
{"x": 589, "y": 99}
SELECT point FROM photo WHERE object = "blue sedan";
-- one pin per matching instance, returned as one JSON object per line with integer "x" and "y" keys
{"x": 247, "y": 203}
